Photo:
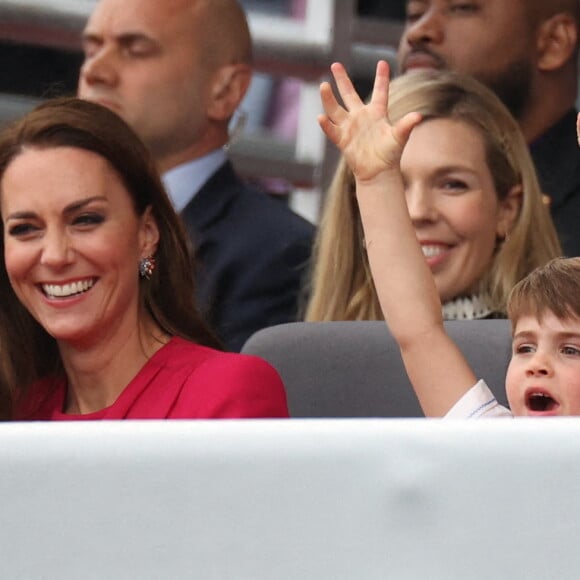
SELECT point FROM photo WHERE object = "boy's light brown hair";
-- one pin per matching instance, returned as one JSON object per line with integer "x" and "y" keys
{"x": 554, "y": 288}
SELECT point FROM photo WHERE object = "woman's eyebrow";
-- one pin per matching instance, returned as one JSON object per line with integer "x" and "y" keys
{"x": 71, "y": 208}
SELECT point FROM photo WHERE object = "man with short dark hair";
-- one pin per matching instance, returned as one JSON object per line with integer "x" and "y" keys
{"x": 526, "y": 51}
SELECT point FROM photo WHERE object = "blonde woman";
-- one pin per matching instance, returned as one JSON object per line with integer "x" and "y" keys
{"x": 473, "y": 197}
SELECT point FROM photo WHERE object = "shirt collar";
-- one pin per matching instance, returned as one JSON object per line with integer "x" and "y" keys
{"x": 184, "y": 181}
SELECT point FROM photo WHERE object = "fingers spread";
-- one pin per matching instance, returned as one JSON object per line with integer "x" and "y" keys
{"x": 345, "y": 87}
{"x": 380, "y": 94}
{"x": 329, "y": 128}
{"x": 402, "y": 129}
{"x": 331, "y": 107}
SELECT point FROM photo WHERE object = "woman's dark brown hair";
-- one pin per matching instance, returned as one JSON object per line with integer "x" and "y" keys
{"x": 27, "y": 351}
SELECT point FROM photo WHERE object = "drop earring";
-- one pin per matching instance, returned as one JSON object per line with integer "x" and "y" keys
{"x": 146, "y": 267}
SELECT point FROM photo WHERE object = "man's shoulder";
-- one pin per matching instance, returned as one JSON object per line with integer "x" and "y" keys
{"x": 556, "y": 156}
{"x": 250, "y": 206}
{"x": 259, "y": 203}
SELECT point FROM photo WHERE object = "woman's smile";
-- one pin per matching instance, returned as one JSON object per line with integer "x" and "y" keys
{"x": 68, "y": 289}
{"x": 72, "y": 243}
{"x": 453, "y": 203}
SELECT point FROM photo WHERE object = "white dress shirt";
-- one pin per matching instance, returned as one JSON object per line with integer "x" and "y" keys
{"x": 478, "y": 402}
{"x": 184, "y": 181}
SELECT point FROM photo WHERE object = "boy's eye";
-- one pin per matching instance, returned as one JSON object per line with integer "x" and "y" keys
{"x": 570, "y": 350}
{"x": 523, "y": 348}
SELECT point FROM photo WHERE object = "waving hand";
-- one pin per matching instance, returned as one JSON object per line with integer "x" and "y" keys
{"x": 372, "y": 147}
{"x": 362, "y": 131}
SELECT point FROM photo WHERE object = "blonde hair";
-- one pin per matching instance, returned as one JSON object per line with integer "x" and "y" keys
{"x": 341, "y": 286}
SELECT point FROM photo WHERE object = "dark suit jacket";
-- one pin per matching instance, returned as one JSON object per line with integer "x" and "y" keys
{"x": 557, "y": 159}
{"x": 251, "y": 253}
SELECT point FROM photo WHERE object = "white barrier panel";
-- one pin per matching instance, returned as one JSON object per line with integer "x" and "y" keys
{"x": 302, "y": 499}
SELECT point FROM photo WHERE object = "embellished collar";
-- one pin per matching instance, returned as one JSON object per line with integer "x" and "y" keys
{"x": 466, "y": 308}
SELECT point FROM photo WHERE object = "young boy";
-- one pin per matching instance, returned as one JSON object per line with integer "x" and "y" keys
{"x": 543, "y": 377}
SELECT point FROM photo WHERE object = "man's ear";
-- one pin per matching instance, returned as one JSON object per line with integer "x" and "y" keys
{"x": 508, "y": 211}
{"x": 556, "y": 42}
{"x": 229, "y": 86}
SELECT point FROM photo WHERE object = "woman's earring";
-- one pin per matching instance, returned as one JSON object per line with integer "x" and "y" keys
{"x": 503, "y": 237}
{"x": 146, "y": 267}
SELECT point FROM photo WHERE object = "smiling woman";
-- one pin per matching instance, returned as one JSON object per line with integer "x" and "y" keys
{"x": 544, "y": 310}
{"x": 97, "y": 319}
{"x": 473, "y": 199}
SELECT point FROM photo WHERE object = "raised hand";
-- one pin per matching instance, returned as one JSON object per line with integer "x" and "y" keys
{"x": 362, "y": 131}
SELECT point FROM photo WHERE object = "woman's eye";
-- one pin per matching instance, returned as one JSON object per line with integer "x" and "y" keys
{"x": 21, "y": 230}
{"x": 454, "y": 185}
{"x": 89, "y": 219}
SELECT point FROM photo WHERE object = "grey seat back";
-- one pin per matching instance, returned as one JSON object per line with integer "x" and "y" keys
{"x": 354, "y": 369}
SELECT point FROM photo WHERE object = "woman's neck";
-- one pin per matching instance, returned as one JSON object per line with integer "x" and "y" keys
{"x": 97, "y": 374}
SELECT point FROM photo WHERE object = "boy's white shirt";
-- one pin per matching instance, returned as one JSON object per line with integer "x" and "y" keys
{"x": 478, "y": 402}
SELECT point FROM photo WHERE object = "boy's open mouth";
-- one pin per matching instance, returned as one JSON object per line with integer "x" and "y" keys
{"x": 541, "y": 402}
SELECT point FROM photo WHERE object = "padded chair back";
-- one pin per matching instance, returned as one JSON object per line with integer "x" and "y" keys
{"x": 354, "y": 369}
